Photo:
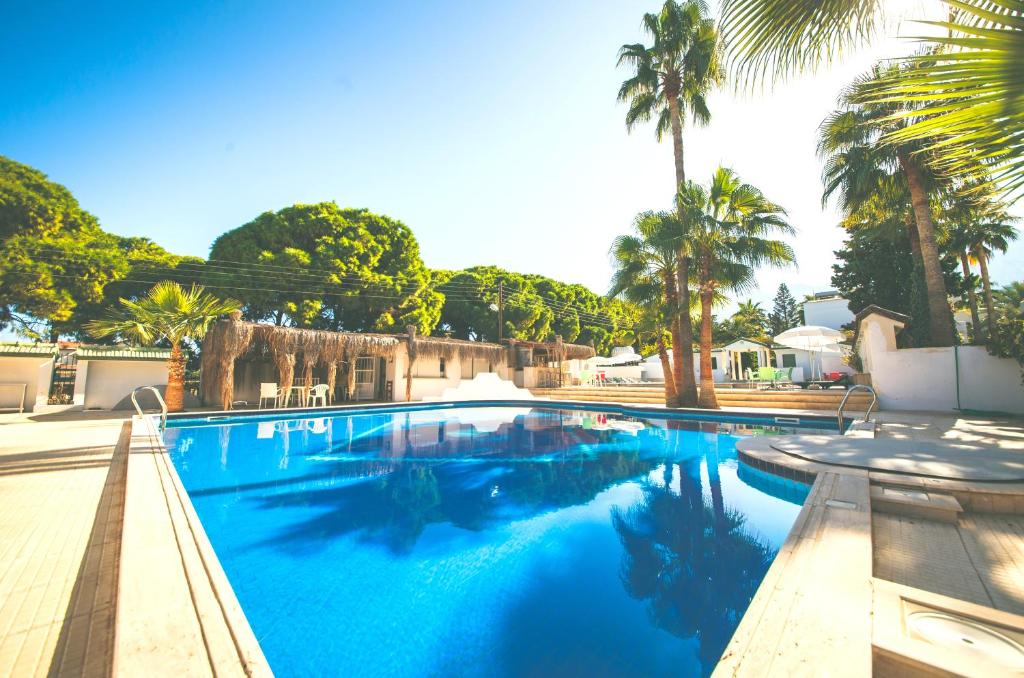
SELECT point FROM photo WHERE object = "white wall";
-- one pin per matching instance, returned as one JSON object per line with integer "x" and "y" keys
{"x": 429, "y": 386}
{"x": 108, "y": 382}
{"x": 833, "y": 313}
{"x": 926, "y": 378}
{"x": 35, "y": 371}
{"x": 651, "y": 369}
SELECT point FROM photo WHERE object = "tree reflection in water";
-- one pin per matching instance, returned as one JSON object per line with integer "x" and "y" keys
{"x": 695, "y": 564}
{"x": 439, "y": 480}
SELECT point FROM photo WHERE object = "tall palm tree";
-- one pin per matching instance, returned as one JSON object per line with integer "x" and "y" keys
{"x": 645, "y": 273}
{"x": 857, "y": 161}
{"x": 978, "y": 225}
{"x": 172, "y": 313}
{"x": 986, "y": 238}
{"x": 968, "y": 85}
{"x": 731, "y": 224}
{"x": 670, "y": 82}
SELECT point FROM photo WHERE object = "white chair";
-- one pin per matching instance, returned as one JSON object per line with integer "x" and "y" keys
{"x": 318, "y": 392}
{"x": 269, "y": 391}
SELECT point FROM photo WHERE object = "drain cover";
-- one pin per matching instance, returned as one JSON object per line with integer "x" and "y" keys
{"x": 965, "y": 635}
{"x": 907, "y": 494}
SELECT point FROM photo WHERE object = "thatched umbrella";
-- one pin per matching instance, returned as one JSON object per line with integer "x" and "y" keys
{"x": 223, "y": 344}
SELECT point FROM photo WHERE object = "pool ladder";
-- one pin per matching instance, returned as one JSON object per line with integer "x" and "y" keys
{"x": 849, "y": 392}
{"x": 159, "y": 399}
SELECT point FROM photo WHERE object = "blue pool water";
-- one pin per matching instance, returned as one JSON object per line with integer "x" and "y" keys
{"x": 491, "y": 541}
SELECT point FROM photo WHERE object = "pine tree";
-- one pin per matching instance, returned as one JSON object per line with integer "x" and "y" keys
{"x": 784, "y": 313}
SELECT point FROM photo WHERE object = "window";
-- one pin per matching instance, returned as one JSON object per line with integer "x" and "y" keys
{"x": 714, "y": 363}
{"x": 789, "y": 360}
{"x": 427, "y": 368}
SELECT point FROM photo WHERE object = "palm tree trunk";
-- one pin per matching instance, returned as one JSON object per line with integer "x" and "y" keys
{"x": 686, "y": 384}
{"x": 675, "y": 373}
{"x": 706, "y": 399}
{"x": 972, "y": 299}
{"x": 671, "y": 395}
{"x": 175, "y": 394}
{"x": 915, "y": 242}
{"x": 940, "y": 319}
{"x": 676, "y": 120}
{"x": 986, "y": 285}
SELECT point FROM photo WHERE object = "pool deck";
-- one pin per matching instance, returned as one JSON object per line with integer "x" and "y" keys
{"x": 106, "y": 571}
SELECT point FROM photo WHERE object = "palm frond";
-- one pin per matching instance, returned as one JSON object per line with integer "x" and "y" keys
{"x": 774, "y": 38}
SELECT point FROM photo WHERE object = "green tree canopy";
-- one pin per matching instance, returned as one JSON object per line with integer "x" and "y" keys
{"x": 535, "y": 308}
{"x": 56, "y": 263}
{"x": 327, "y": 267}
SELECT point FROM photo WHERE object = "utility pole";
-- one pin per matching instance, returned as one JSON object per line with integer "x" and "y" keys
{"x": 501, "y": 307}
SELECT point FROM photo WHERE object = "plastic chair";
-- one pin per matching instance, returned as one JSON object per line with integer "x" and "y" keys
{"x": 766, "y": 375}
{"x": 318, "y": 392}
{"x": 269, "y": 391}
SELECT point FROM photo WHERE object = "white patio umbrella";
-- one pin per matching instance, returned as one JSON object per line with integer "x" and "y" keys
{"x": 811, "y": 338}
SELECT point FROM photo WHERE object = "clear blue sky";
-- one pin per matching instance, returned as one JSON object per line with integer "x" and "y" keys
{"x": 490, "y": 128}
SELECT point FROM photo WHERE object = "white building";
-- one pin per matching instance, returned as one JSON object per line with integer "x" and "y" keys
{"x": 75, "y": 377}
{"x": 26, "y": 371}
{"x": 828, "y": 309}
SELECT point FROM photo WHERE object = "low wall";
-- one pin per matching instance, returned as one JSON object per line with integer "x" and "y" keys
{"x": 948, "y": 378}
{"x": 106, "y": 384}
{"x": 34, "y": 371}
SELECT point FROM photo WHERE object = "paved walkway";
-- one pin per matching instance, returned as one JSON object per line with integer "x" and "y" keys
{"x": 980, "y": 559}
{"x": 57, "y": 545}
{"x": 929, "y": 458}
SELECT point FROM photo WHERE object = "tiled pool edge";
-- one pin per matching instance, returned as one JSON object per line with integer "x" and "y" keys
{"x": 247, "y": 658}
{"x": 813, "y": 608}
{"x": 176, "y": 612}
{"x": 775, "y": 417}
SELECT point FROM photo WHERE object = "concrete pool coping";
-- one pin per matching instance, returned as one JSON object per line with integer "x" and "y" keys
{"x": 817, "y": 605}
{"x": 177, "y": 613}
{"x": 195, "y": 606}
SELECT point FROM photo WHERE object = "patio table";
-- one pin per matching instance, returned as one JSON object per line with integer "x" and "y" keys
{"x": 300, "y": 393}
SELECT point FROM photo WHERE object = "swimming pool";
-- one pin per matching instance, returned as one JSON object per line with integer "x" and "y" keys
{"x": 486, "y": 541}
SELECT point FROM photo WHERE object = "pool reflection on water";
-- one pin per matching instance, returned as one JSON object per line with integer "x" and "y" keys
{"x": 486, "y": 541}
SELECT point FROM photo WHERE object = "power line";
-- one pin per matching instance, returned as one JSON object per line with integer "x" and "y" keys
{"x": 243, "y": 269}
{"x": 352, "y": 286}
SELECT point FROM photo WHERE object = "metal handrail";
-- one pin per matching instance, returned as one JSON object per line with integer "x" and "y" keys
{"x": 849, "y": 392}
{"x": 159, "y": 399}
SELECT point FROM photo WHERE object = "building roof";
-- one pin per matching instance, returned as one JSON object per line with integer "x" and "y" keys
{"x": 901, "y": 318}
{"x": 122, "y": 353}
{"x": 14, "y": 348}
{"x": 827, "y": 295}
{"x": 745, "y": 340}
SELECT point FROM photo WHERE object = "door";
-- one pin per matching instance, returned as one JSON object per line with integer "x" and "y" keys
{"x": 365, "y": 378}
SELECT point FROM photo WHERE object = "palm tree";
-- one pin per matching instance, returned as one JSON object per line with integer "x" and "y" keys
{"x": 172, "y": 313}
{"x": 1009, "y": 300}
{"x": 729, "y": 222}
{"x": 968, "y": 84}
{"x": 751, "y": 316}
{"x": 645, "y": 273}
{"x": 857, "y": 162}
{"x": 978, "y": 225}
{"x": 986, "y": 238}
{"x": 670, "y": 82}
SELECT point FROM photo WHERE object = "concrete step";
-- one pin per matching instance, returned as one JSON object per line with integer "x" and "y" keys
{"x": 916, "y": 503}
{"x": 798, "y": 400}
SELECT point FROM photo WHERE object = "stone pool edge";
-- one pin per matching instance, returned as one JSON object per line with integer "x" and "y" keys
{"x": 183, "y": 616}
{"x": 177, "y": 613}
